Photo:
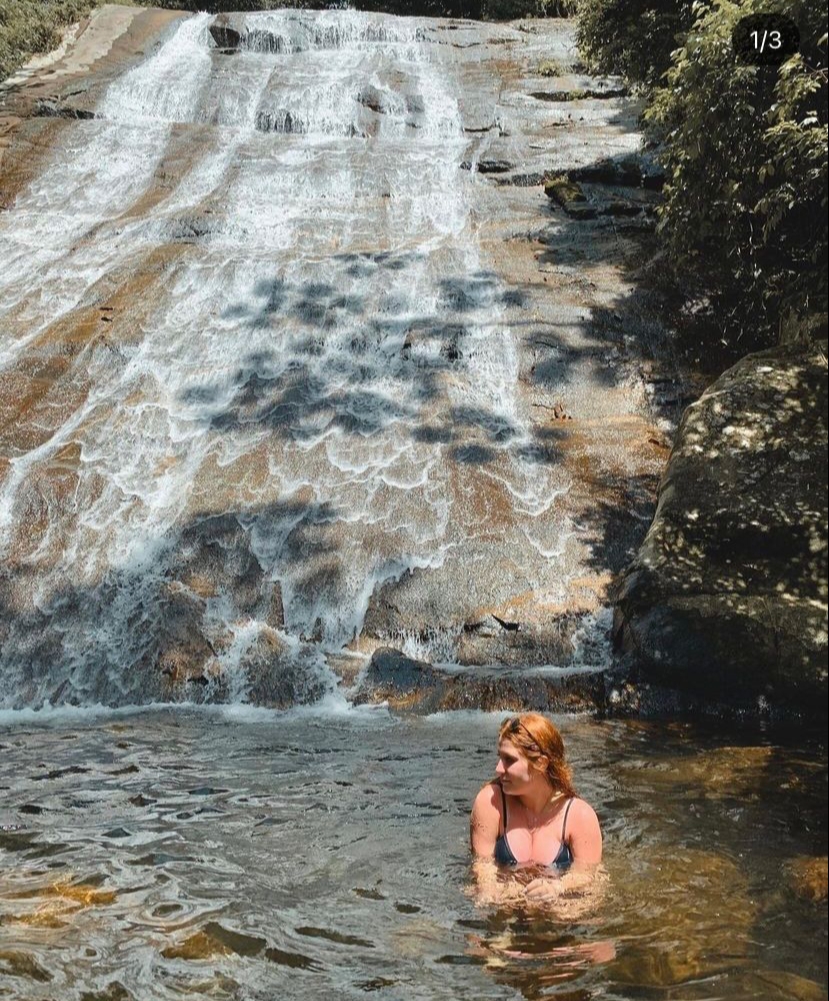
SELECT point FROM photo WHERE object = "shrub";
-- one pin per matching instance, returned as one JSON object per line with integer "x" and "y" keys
{"x": 634, "y": 38}
{"x": 507, "y": 10}
{"x": 26, "y": 28}
{"x": 745, "y": 152}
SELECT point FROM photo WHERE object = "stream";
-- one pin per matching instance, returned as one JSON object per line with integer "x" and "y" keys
{"x": 236, "y": 852}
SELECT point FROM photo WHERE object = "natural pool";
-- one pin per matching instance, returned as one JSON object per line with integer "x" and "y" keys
{"x": 246, "y": 854}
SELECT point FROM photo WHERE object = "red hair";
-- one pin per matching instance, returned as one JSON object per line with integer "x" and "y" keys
{"x": 536, "y": 737}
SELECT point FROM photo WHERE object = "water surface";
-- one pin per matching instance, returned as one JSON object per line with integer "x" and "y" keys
{"x": 233, "y": 853}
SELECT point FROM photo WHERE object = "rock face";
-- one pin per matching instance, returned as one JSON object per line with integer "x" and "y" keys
{"x": 726, "y": 599}
{"x": 418, "y": 417}
{"x": 417, "y": 686}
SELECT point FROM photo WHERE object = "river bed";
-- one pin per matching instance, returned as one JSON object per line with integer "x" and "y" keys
{"x": 235, "y": 852}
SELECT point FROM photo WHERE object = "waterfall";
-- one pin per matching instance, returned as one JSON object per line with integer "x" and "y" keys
{"x": 285, "y": 374}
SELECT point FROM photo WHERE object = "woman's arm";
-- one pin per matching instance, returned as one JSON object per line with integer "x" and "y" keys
{"x": 484, "y": 825}
{"x": 490, "y": 888}
{"x": 585, "y": 835}
{"x": 484, "y": 822}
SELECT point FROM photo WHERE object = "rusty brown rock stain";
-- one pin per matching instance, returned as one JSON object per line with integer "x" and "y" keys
{"x": 26, "y": 147}
{"x": 810, "y": 877}
{"x": 79, "y": 893}
{"x": 42, "y": 389}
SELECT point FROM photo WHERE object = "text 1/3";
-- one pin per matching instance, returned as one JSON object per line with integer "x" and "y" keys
{"x": 765, "y": 39}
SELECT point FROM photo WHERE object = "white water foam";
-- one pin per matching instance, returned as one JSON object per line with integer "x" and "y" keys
{"x": 309, "y": 368}
{"x": 168, "y": 86}
{"x": 58, "y": 238}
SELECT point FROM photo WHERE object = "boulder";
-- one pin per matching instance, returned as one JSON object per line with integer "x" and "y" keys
{"x": 54, "y": 109}
{"x": 631, "y": 170}
{"x": 375, "y": 99}
{"x": 277, "y": 676}
{"x": 492, "y": 166}
{"x": 570, "y": 197}
{"x": 726, "y": 600}
{"x": 182, "y": 652}
{"x": 562, "y": 191}
{"x": 223, "y": 35}
{"x": 579, "y": 94}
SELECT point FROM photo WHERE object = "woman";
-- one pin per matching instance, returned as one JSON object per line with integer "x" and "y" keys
{"x": 530, "y": 815}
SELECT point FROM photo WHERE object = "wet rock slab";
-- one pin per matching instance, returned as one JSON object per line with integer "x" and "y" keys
{"x": 532, "y": 489}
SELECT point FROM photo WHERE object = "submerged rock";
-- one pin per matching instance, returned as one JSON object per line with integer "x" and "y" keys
{"x": 726, "y": 599}
{"x": 16, "y": 963}
{"x": 215, "y": 940}
{"x": 718, "y": 905}
{"x": 810, "y": 877}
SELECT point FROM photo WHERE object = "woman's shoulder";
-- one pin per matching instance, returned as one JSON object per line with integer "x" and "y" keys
{"x": 488, "y": 797}
{"x": 581, "y": 813}
{"x": 584, "y": 833}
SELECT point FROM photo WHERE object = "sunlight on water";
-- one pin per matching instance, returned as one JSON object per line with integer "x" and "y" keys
{"x": 235, "y": 851}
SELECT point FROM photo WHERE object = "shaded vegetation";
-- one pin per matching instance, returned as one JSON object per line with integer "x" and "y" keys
{"x": 28, "y": 27}
{"x": 634, "y": 38}
{"x": 745, "y": 153}
{"x": 505, "y": 10}
{"x": 494, "y": 10}
{"x": 31, "y": 26}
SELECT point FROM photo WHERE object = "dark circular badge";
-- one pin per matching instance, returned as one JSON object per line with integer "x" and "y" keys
{"x": 765, "y": 39}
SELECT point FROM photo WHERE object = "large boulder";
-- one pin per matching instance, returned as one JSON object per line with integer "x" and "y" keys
{"x": 726, "y": 600}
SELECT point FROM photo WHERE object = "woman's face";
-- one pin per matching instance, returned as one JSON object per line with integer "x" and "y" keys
{"x": 514, "y": 768}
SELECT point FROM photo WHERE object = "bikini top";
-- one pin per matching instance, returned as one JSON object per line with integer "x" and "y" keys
{"x": 503, "y": 852}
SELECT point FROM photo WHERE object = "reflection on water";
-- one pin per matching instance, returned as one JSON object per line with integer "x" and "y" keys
{"x": 233, "y": 854}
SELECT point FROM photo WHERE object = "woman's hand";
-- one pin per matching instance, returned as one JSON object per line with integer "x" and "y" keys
{"x": 573, "y": 894}
{"x": 543, "y": 888}
{"x": 490, "y": 888}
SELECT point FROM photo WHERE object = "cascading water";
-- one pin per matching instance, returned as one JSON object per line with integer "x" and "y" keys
{"x": 292, "y": 380}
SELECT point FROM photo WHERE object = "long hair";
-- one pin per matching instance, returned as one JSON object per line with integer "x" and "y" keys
{"x": 536, "y": 737}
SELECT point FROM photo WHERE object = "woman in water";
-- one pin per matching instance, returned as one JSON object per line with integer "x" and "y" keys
{"x": 530, "y": 817}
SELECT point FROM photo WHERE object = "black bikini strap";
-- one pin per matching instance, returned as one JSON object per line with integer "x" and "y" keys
{"x": 503, "y": 806}
{"x": 564, "y": 822}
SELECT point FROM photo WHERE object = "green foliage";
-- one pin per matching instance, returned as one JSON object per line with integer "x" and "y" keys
{"x": 745, "y": 153}
{"x": 634, "y": 38}
{"x": 549, "y": 67}
{"x": 507, "y": 10}
{"x": 29, "y": 26}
